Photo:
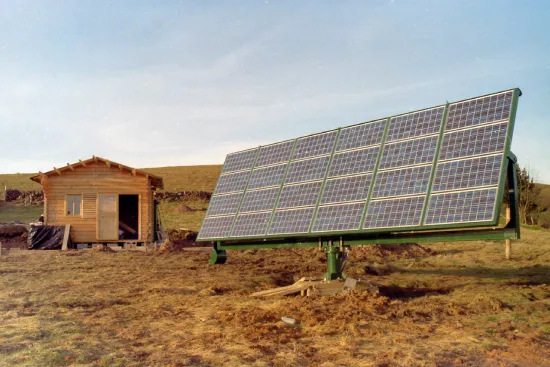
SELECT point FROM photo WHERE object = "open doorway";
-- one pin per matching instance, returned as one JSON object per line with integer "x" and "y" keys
{"x": 128, "y": 217}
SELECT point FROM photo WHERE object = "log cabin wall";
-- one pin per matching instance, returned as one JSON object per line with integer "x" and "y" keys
{"x": 89, "y": 182}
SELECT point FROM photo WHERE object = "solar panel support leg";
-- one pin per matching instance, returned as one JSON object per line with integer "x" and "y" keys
{"x": 217, "y": 256}
{"x": 334, "y": 263}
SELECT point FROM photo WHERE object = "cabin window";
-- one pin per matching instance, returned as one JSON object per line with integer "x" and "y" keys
{"x": 73, "y": 204}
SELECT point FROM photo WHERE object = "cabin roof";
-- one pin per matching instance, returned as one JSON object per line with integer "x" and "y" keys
{"x": 156, "y": 181}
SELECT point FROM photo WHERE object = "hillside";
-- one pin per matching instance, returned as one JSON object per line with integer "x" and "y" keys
{"x": 177, "y": 178}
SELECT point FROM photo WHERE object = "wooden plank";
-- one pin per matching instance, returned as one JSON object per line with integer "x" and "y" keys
{"x": 126, "y": 227}
{"x": 65, "y": 245}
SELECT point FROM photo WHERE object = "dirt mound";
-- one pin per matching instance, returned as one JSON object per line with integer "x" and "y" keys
{"x": 102, "y": 248}
{"x": 182, "y": 208}
{"x": 12, "y": 230}
{"x": 182, "y": 234}
{"x": 389, "y": 252}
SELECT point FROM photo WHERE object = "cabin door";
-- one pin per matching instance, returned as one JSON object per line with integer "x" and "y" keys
{"x": 107, "y": 217}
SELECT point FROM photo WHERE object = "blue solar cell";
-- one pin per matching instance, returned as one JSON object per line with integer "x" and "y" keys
{"x": 300, "y": 195}
{"x": 251, "y": 224}
{"x": 416, "y": 124}
{"x": 479, "y": 111}
{"x": 353, "y": 162}
{"x": 461, "y": 207}
{"x": 291, "y": 221}
{"x": 362, "y": 135}
{"x": 232, "y": 182}
{"x": 267, "y": 176}
{"x": 276, "y": 153}
{"x": 393, "y": 213}
{"x": 255, "y": 201}
{"x": 467, "y": 173}
{"x": 408, "y": 153}
{"x": 338, "y": 217}
{"x": 224, "y": 204}
{"x": 307, "y": 170}
{"x": 405, "y": 181}
{"x": 482, "y": 140}
{"x": 239, "y": 161}
{"x": 216, "y": 227}
{"x": 314, "y": 145}
{"x": 350, "y": 188}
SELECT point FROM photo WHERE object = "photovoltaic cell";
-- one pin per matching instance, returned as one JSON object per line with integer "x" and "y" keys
{"x": 416, "y": 124}
{"x": 307, "y": 170}
{"x": 481, "y": 140}
{"x": 255, "y": 201}
{"x": 467, "y": 173}
{"x": 479, "y": 111}
{"x": 216, "y": 227}
{"x": 351, "y": 188}
{"x": 224, "y": 204}
{"x": 408, "y": 153}
{"x": 239, "y": 161}
{"x": 276, "y": 153}
{"x": 406, "y": 181}
{"x": 400, "y": 212}
{"x": 292, "y": 221}
{"x": 232, "y": 182}
{"x": 353, "y": 162}
{"x": 267, "y": 176}
{"x": 314, "y": 145}
{"x": 362, "y": 135}
{"x": 460, "y": 207}
{"x": 251, "y": 224}
{"x": 300, "y": 195}
{"x": 338, "y": 217}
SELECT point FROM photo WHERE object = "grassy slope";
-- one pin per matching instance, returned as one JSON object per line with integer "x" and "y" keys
{"x": 471, "y": 307}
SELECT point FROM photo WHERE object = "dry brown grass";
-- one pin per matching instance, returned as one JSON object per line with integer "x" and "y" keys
{"x": 463, "y": 305}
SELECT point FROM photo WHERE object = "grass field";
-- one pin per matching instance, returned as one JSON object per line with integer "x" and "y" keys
{"x": 463, "y": 305}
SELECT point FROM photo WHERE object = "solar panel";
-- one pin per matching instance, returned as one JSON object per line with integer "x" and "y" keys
{"x": 291, "y": 221}
{"x": 343, "y": 217}
{"x": 416, "y": 124}
{"x": 239, "y": 161}
{"x": 232, "y": 182}
{"x": 216, "y": 227}
{"x": 474, "y": 141}
{"x": 460, "y": 207}
{"x": 256, "y": 201}
{"x": 408, "y": 153}
{"x": 300, "y": 195}
{"x": 361, "y": 135}
{"x": 353, "y": 188}
{"x": 267, "y": 176}
{"x": 307, "y": 170}
{"x": 276, "y": 153}
{"x": 353, "y": 162}
{"x": 399, "y": 212}
{"x": 404, "y": 181}
{"x": 466, "y": 173}
{"x": 224, "y": 204}
{"x": 427, "y": 169}
{"x": 311, "y": 146}
{"x": 251, "y": 224}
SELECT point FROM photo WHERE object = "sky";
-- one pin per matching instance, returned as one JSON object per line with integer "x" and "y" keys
{"x": 171, "y": 83}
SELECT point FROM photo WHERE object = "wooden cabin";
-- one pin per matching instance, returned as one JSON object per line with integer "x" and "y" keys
{"x": 103, "y": 201}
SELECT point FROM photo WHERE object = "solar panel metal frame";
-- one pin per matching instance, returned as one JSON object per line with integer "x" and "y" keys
{"x": 422, "y": 227}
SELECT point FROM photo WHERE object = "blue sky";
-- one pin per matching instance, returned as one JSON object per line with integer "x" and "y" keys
{"x": 185, "y": 83}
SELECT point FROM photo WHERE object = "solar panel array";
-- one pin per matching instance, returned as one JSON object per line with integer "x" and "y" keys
{"x": 433, "y": 168}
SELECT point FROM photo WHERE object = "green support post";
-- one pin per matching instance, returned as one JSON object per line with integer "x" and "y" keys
{"x": 217, "y": 256}
{"x": 334, "y": 262}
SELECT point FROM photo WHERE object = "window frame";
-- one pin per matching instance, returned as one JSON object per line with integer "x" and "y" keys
{"x": 73, "y": 208}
